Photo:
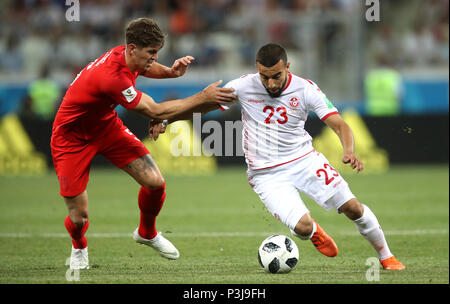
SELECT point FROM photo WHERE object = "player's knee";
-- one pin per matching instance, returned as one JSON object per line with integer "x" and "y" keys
{"x": 155, "y": 182}
{"x": 79, "y": 217}
{"x": 353, "y": 209}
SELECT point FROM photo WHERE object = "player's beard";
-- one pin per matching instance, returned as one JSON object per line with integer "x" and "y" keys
{"x": 275, "y": 95}
{"x": 280, "y": 90}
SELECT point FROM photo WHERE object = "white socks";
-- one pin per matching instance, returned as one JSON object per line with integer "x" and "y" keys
{"x": 371, "y": 230}
{"x": 305, "y": 237}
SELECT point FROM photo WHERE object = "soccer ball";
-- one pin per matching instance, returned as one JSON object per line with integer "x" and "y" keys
{"x": 278, "y": 254}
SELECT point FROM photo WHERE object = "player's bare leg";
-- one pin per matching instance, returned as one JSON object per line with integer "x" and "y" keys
{"x": 78, "y": 208}
{"x": 145, "y": 171}
{"x": 77, "y": 224}
{"x": 368, "y": 226}
{"x": 151, "y": 199}
{"x": 307, "y": 228}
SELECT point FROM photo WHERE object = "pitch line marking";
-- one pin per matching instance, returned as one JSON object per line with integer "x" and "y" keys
{"x": 213, "y": 234}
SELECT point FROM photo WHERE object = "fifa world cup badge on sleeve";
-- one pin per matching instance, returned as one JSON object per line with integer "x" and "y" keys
{"x": 129, "y": 94}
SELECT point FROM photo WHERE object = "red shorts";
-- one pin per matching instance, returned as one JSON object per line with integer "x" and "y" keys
{"x": 72, "y": 156}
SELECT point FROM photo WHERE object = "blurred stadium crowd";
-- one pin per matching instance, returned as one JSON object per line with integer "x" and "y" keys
{"x": 219, "y": 33}
{"x": 329, "y": 41}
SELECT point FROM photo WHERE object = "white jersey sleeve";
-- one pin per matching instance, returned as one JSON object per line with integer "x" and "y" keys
{"x": 318, "y": 102}
{"x": 235, "y": 84}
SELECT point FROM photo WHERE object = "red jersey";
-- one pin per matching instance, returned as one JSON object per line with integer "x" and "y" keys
{"x": 88, "y": 108}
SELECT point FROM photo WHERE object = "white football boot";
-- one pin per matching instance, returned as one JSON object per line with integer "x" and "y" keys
{"x": 162, "y": 245}
{"x": 79, "y": 259}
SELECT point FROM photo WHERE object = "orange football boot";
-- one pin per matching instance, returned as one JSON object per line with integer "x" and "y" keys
{"x": 392, "y": 264}
{"x": 323, "y": 242}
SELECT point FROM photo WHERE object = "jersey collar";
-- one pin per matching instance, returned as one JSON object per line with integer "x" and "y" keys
{"x": 288, "y": 82}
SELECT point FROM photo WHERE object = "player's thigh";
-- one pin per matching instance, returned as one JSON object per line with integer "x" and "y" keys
{"x": 321, "y": 182}
{"x": 281, "y": 199}
{"x": 121, "y": 147}
{"x": 72, "y": 163}
{"x": 128, "y": 153}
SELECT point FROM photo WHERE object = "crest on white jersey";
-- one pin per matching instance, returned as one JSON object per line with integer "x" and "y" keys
{"x": 294, "y": 102}
{"x": 129, "y": 94}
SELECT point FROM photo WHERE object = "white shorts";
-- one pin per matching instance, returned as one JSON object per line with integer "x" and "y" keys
{"x": 313, "y": 175}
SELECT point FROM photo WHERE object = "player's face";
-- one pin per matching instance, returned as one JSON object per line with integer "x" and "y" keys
{"x": 143, "y": 58}
{"x": 274, "y": 78}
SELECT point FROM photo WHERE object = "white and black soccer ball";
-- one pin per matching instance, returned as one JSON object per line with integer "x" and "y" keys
{"x": 278, "y": 254}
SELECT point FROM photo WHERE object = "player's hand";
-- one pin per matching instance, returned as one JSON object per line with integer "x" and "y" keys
{"x": 156, "y": 127}
{"x": 181, "y": 65}
{"x": 213, "y": 93}
{"x": 354, "y": 162}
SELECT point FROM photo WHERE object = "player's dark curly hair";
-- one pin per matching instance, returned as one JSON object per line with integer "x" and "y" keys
{"x": 144, "y": 32}
{"x": 269, "y": 55}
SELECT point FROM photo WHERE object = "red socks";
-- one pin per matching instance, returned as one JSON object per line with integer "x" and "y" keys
{"x": 150, "y": 203}
{"x": 78, "y": 239}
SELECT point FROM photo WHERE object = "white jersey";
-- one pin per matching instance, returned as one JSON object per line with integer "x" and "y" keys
{"x": 273, "y": 128}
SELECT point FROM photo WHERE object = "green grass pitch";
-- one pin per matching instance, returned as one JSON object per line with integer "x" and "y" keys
{"x": 217, "y": 222}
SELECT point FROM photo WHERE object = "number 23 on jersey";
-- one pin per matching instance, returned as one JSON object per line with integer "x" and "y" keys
{"x": 271, "y": 111}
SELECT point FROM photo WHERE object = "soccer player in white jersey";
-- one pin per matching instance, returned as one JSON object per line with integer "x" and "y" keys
{"x": 281, "y": 159}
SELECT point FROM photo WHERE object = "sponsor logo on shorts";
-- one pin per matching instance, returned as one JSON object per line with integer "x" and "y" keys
{"x": 337, "y": 184}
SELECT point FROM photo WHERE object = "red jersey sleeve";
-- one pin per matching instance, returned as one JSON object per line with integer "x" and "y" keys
{"x": 122, "y": 91}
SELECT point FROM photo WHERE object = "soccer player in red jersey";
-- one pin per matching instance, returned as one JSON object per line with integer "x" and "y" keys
{"x": 86, "y": 124}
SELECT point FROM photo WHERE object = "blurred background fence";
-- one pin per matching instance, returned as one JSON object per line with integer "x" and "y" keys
{"x": 392, "y": 72}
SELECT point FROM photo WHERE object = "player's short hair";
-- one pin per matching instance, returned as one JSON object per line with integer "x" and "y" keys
{"x": 144, "y": 32}
{"x": 269, "y": 55}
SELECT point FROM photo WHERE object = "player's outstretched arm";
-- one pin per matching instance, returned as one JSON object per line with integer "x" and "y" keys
{"x": 178, "y": 68}
{"x": 157, "y": 127}
{"x": 201, "y": 109}
{"x": 345, "y": 133}
{"x": 177, "y": 109}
